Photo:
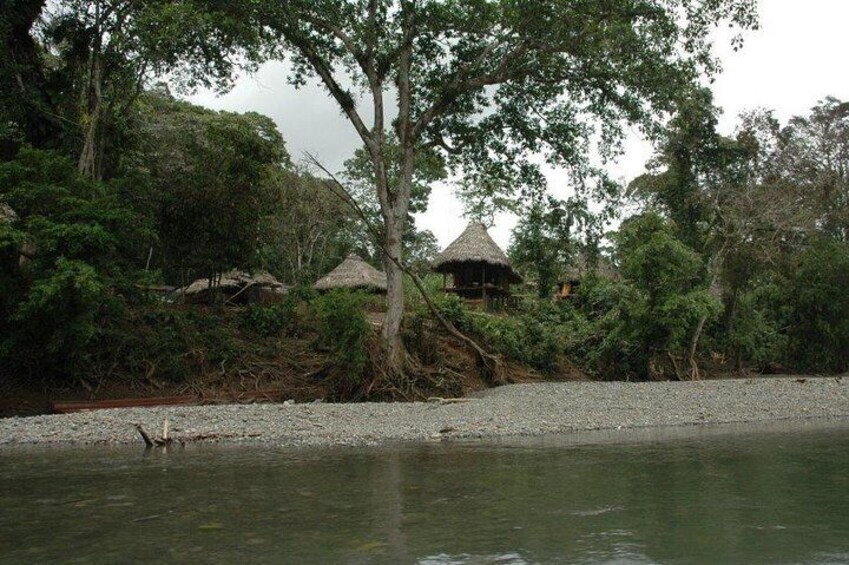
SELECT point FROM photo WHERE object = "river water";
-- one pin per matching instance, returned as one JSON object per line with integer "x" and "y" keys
{"x": 771, "y": 496}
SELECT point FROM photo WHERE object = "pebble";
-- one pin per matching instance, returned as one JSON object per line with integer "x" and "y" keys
{"x": 512, "y": 410}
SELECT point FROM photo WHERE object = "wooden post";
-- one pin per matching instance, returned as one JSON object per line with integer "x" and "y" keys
{"x": 483, "y": 285}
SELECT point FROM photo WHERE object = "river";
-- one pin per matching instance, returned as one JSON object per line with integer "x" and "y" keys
{"x": 768, "y": 496}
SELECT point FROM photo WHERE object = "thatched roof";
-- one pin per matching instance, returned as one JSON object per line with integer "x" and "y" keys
{"x": 234, "y": 280}
{"x": 581, "y": 267}
{"x": 474, "y": 246}
{"x": 353, "y": 272}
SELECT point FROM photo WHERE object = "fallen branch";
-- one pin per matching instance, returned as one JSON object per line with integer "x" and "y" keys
{"x": 145, "y": 436}
{"x": 440, "y": 400}
{"x": 162, "y": 441}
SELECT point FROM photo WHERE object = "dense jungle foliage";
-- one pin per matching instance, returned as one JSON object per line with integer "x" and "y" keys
{"x": 735, "y": 257}
{"x": 734, "y": 254}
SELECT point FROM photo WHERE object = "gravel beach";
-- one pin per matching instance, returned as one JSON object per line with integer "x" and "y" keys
{"x": 509, "y": 411}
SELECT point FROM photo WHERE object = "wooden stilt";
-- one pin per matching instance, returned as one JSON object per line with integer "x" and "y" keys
{"x": 483, "y": 285}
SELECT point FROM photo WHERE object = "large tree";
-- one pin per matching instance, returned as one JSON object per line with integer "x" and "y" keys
{"x": 418, "y": 246}
{"x": 71, "y": 69}
{"x": 542, "y": 243}
{"x": 24, "y": 100}
{"x": 493, "y": 84}
{"x": 814, "y": 151}
{"x": 206, "y": 178}
{"x": 307, "y": 229}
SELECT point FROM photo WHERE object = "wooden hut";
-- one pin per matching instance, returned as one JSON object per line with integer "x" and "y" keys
{"x": 568, "y": 283}
{"x": 479, "y": 269}
{"x": 353, "y": 273}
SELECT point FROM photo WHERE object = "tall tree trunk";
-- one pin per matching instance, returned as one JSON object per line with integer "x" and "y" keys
{"x": 393, "y": 345}
{"x": 88, "y": 163}
{"x": 715, "y": 267}
{"x": 396, "y": 205}
{"x": 23, "y": 63}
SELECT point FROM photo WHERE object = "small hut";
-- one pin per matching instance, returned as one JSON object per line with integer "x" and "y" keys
{"x": 569, "y": 282}
{"x": 570, "y": 278}
{"x": 478, "y": 267}
{"x": 353, "y": 273}
{"x": 234, "y": 287}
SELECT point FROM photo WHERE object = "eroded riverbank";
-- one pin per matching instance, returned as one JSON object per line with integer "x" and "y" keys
{"x": 510, "y": 411}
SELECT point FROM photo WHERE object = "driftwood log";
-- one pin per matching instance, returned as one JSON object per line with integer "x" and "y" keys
{"x": 163, "y": 440}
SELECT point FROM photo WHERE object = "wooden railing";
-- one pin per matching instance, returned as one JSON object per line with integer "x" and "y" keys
{"x": 491, "y": 299}
{"x": 502, "y": 302}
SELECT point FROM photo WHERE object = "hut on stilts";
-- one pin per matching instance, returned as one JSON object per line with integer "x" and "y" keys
{"x": 480, "y": 271}
{"x": 353, "y": 273}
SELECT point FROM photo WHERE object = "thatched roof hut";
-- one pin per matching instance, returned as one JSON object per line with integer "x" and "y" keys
{"x": 571, "y": 278}
{"x": 581, "y": 267}
{"x": 476, "y": 252}
{"x": 353, "y": 273}
{"x": 235, "y": 287}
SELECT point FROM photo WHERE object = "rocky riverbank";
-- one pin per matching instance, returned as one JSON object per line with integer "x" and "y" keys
{"x": 509, "y": 411}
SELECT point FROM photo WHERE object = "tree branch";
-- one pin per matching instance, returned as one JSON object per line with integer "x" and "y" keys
{"x": 342, "y": 97}
{"x": 461, "y": 82}
{"x": 488, "y": 361}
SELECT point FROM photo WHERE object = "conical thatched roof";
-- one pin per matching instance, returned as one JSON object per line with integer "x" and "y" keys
{"x": 353, "y": 272}
{"x": 474, "y": 246}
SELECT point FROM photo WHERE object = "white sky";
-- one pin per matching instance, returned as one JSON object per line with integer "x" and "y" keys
{"x": 796, "y": 58}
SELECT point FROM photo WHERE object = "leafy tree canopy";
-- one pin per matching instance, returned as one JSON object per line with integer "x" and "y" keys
{"x": 208, "y": 177}
{"x": 495, "y": 86}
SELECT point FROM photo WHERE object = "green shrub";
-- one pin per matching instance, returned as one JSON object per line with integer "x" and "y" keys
{"x": 453, "y": 309}
{"x": 156, "y": 341}
{"x": 432, "y": 284}
{"x": 525, "y": 338}
{"x": 344, "y": 329}
{"x": 757, "y": 334}
{"x": 659, "y": 303}
{"x": 273, "y": 320}
{"x": 88, "y": 248}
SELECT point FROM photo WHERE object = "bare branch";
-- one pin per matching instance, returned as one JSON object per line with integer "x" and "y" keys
{"x": 340, "y": 34}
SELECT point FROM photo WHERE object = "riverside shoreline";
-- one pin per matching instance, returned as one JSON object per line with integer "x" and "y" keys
{"x": 521, "y": 410}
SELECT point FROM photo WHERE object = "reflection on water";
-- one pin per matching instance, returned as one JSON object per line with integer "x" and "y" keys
{"x": 763, "y": 497}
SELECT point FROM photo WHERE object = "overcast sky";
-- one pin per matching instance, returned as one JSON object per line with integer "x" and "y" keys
{"x": 796, "y": 58}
